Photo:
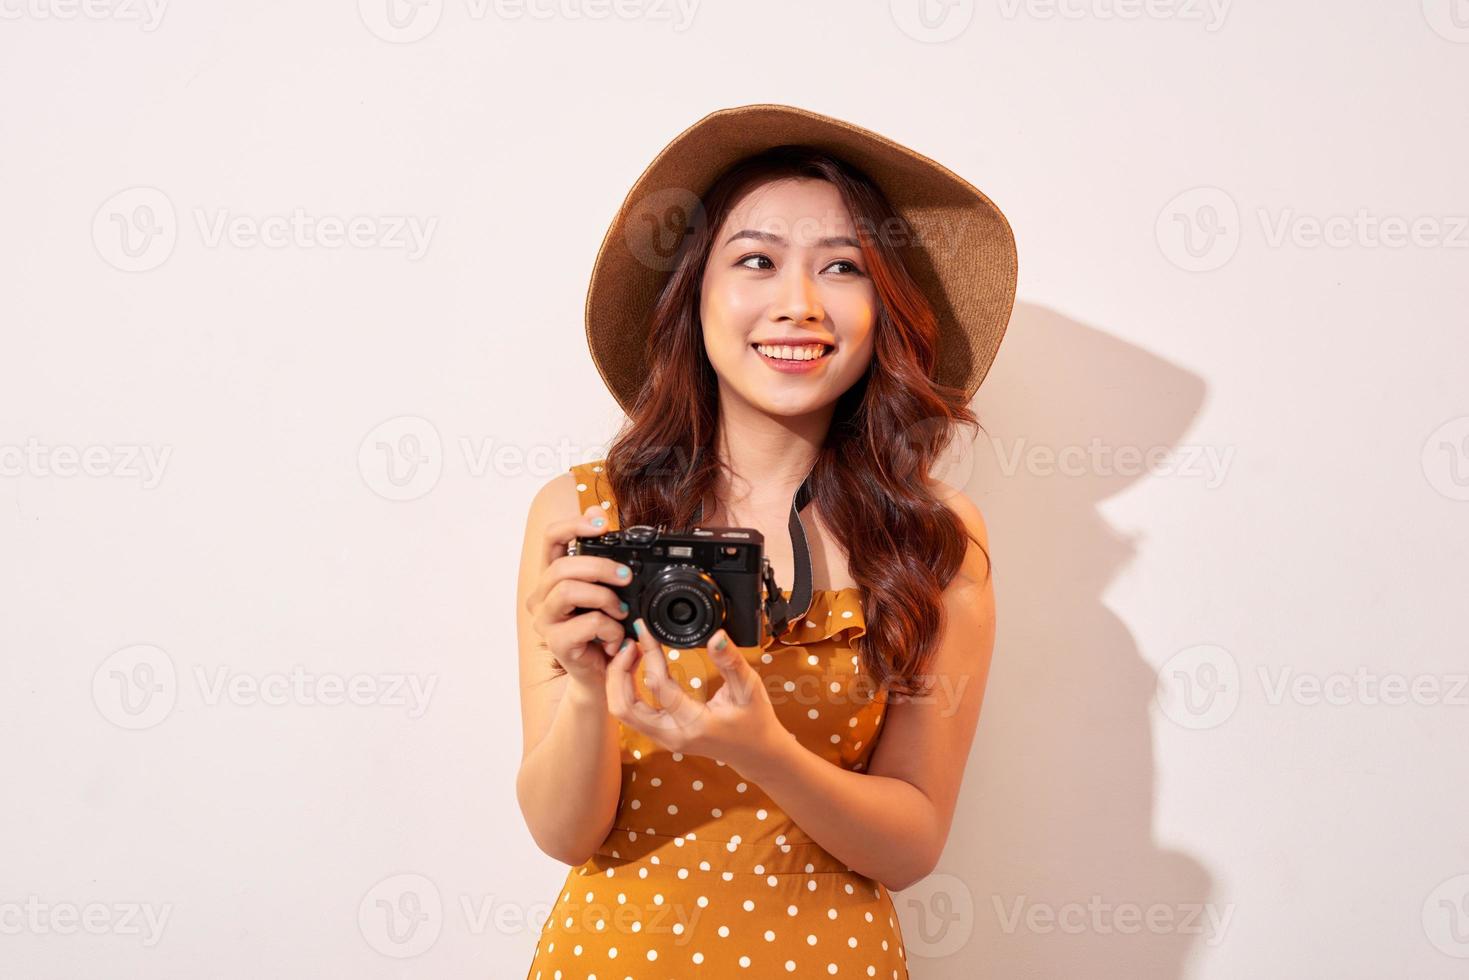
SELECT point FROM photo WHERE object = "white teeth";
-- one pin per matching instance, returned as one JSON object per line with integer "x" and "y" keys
{"x": 788, "y": 353}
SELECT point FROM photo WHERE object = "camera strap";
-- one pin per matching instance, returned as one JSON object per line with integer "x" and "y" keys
{"x": 782, "y": 611}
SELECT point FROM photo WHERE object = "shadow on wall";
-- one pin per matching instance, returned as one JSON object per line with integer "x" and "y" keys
{"x": 1051, "y": 869}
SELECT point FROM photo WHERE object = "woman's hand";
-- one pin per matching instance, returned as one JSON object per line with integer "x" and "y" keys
{"x": 738, "y": 725}
{"x": 582, "y": 643}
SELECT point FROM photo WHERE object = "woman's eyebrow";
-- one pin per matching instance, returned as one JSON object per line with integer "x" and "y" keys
{"x": 766, "y": 236}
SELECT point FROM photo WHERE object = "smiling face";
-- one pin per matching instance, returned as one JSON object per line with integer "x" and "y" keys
{"x": 787, "y": 307}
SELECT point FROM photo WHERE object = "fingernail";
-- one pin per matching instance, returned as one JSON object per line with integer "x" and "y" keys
{"x": 638, "y": 625}
{"x": 598, "y": 521}
{"x": 721, "y": 643}
{"x": 623, "y": 605}
{"x": 623, "y": 571}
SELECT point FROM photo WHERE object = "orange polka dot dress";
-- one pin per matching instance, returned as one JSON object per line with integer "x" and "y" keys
{"x": 702, "y": 875}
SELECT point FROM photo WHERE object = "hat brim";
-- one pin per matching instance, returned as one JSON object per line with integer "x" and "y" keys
{"x": 962, "y": 253}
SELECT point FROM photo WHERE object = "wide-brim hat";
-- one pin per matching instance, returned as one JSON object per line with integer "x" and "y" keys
{"x": 960, "y": 248}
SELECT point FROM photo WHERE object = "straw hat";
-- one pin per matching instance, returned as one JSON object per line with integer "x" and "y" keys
{"x": 960, "y": 248}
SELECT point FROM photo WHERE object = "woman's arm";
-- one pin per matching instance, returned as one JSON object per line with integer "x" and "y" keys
{"x": 891, "y": 822}
{"x": 570, "y": 774}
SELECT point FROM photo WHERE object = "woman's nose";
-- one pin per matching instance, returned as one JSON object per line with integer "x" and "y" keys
{"x": 798, "y": 297}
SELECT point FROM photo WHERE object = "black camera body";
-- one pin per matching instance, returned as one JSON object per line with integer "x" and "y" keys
{"x": 687, "y": 584}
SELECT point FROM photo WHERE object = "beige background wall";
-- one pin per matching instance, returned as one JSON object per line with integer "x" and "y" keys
{"x": 292, "y": 332}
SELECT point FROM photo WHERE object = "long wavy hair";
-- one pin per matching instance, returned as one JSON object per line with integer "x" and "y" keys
{"x": 870, "y": 482}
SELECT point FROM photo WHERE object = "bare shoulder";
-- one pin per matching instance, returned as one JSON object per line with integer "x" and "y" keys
{"x": 976, "y": 565}
{"x": 556, "y": 499}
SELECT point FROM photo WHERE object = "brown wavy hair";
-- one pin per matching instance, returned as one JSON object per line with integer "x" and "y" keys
{"x": 870, "y": 482}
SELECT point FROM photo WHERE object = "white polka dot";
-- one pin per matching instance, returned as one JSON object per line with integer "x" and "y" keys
{"x": 739, "y": 788}
{"x": 612, "y": 953}
{"x": 580, "y": 487}
{"x": 770, "y": 935}
{"x": 695, "y": 682}
{"x": 724, "y": 931}
{"x": 744, "y": 961}
{"x": 635, "y": 804}
{"x": 652, "y": 954}
{"x": 673, "y": 808}
{"x": 607, "y": 505}
{"x": 811, "y": 940}
{"x": 791, "y": 910}
{"x": 790, "y": 966}
{"x": 852, "y": 941}
{"x": 813, "y": 713}
{"x": 703, "y": 901}
{"x": 749, "y": 906}
{"x": 698, "y": 784}
{"x": 672, "y": 654}
{"x": 847, "y": 614}
{"x": 698, "y": 957}
{"x": 812, "y": 660}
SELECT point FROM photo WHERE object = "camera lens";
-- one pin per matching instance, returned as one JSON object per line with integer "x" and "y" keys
{"x": 684, "y": 606}
{"x": 681, "y": 612}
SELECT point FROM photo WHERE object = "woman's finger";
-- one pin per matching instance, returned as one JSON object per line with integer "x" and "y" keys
{"x": 620, "y": 691}
{"x": 738, "y": 675}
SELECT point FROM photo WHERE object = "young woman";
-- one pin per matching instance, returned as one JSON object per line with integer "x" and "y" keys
{"x": 794, "y": 312}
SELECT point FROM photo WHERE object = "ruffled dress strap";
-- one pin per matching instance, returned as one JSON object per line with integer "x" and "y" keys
{"x": 593, "y": 487}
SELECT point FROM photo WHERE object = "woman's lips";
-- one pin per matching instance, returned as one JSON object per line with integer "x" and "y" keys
{"x": 792, "y": 366}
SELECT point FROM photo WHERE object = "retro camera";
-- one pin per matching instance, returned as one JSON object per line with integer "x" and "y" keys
{"x": 687, "y": 584}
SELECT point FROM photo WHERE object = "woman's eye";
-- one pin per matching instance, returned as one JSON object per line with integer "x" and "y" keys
{"x": 851, "y": 266}
{"x": 747, "y": 259}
